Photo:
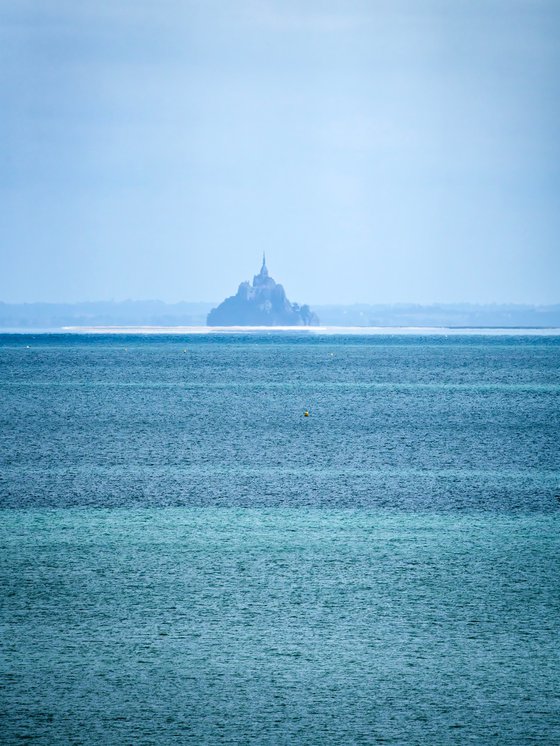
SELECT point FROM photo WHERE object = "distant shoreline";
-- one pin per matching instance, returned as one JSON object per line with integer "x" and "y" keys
{"x": 317, "y": 330}
{"x": 41, "y": 317}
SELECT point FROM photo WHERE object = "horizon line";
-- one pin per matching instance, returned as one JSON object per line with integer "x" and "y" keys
{"x": 421, "y": 304}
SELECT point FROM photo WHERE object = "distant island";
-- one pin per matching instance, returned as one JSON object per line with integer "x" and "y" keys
{"x": 264, "y": 303}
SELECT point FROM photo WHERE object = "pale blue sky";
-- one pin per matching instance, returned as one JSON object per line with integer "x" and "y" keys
{"x": 404, "y": 150}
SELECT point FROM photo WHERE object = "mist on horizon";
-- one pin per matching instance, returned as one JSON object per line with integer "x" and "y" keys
{"x": 378, "y": 152}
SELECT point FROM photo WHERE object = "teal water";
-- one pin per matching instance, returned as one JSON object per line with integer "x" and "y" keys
{"x": 186, "y": 559}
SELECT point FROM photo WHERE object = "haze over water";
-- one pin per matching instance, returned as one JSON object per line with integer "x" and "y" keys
{"x": 187, "y": 558}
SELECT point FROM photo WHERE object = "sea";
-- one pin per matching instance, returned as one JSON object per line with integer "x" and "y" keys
{"x": 187, "y": 557}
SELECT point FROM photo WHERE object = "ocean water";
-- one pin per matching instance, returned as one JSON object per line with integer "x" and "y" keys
{"x": 186, "y": 558}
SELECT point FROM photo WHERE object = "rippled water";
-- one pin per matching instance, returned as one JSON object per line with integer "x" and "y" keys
{"x": 186, "y": 558}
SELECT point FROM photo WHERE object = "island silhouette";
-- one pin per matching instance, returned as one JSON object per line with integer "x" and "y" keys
{"x": 264, "y": 303}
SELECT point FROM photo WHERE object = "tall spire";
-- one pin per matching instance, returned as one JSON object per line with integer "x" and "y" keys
{"x": 264, "y": 270}
{"x": 262, "y": 279}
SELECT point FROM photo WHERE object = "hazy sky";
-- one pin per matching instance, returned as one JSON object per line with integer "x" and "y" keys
{"x": 402, "y": 150}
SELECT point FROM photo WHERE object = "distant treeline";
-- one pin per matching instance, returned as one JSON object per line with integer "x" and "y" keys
{"x": 455, "y": 315}
{"x": 101, "y": 313}
{"x": 158, "y": 313}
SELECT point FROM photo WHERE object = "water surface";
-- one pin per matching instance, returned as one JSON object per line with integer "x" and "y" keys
{"x": 186, "y": 558}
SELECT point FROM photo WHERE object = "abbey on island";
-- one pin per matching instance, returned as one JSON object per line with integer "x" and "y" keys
{"x": 264, "y": 303}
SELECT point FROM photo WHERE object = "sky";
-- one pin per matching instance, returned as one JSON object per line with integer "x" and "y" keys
{"x": 378, "y": 151}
